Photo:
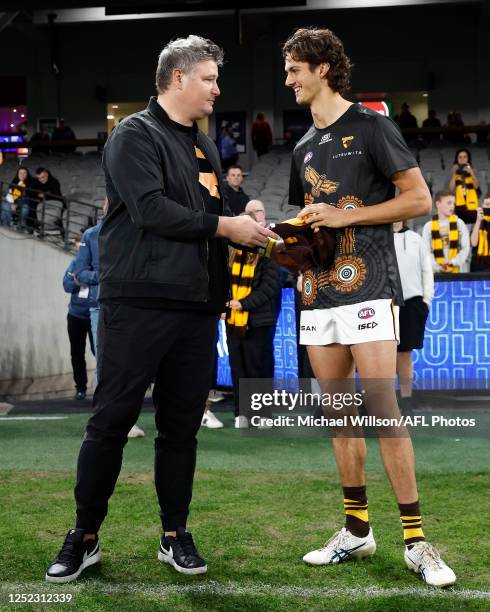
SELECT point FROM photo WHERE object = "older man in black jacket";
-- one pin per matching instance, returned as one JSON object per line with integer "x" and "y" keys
{"x": 163, "y": 285}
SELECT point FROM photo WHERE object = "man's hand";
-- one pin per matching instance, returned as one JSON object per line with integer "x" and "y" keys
{"x": 235, "y": 304}
{"x": 244, "y": 230}
{"x": 325, "y": 215}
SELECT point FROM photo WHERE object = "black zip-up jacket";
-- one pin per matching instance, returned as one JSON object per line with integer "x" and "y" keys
{"x": 154, "y": 240}
{"x": 264, "y": 302}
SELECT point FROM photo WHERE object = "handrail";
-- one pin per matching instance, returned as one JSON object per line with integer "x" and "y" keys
{"x": 59, "y": 218}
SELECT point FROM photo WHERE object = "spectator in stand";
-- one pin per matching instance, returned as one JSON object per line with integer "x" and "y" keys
{"x": 86, "y": 271}
{"x": 46, "y": 187}
{"x": 261, "y": 135}
{"x": 254, "y": 307}
{"x": 480, "y": 238}
{"x": 235, "y": 198}
{"x": 39, "y": 140}
{"x": 465, "y": 185}
{"x": 18, "y": 200}
{"x": 432, "y": 122}
{"x": 455, "y": 120}
{"x": 405, "y": 119}
{"x": 417, "y": 277}
{"x": 64, "y": 132}
{"x": 78, "y": 326}
{"x": 47, "y": 183}
{"x": 227, "y": 148}
{"x": 446, "y": 236}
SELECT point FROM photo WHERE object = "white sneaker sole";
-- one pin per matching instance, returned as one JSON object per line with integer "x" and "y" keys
{"x": 366, "y": 552}
{"x": 183, "y": 570}
{"x": 87, "y": 563}
{"x": 136, "y": 434}
{"x": 415, "y": 568}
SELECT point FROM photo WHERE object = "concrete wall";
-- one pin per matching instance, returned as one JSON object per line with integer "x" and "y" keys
{"x": 34, "y": 345}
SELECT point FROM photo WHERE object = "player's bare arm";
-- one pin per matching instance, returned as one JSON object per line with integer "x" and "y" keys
{"x": 413, "y": 200}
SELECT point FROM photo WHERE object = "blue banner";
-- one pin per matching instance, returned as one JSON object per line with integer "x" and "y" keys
{"x": 456, "y": 344}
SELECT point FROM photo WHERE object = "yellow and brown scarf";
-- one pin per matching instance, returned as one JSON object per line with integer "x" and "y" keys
{"x": 466, "y": 197}
{"x": 242, "y": 266}
{"x": 437, "y": 245}
{"x": 482, "y": 248}
{"x": 18, "y": 190}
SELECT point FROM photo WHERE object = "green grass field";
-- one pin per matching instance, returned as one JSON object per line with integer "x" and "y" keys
{"x": 260, "y": 502}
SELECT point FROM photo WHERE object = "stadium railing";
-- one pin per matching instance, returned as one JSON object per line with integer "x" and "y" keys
{"x": 60, "y": 220}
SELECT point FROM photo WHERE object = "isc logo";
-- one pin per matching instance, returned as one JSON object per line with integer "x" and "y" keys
{"x": 370, "y": 325}
{"x": 366, "y": 313}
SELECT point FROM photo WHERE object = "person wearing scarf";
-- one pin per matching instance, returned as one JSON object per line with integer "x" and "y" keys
{"x": 480, "y": 238}
{"x": 253, "y": 310}
{"x": 465, "y": 185}
{"x": 18, "y": 199}
{"x": 447, "y": 237}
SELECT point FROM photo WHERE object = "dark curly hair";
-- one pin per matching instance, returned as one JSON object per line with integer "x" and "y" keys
{"x": 317, "y": 46}
{"x": 468, "y": 153}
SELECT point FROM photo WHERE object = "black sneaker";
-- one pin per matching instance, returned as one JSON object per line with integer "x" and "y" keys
{"x": 75, "y": 555}
{"x": 81, "y": 395}
{"x": 181, "y": 553}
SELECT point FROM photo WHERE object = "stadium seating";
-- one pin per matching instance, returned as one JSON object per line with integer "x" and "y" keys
{"x": 269, "y": 181}
{"x": 82, "y": 178}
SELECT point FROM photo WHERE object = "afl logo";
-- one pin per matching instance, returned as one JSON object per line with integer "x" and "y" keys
{"x": 307, "y": 158}
{"x": 366, "y": 313}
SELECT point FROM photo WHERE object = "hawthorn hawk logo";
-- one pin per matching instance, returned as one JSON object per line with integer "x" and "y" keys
{"x": 346, "y": 141}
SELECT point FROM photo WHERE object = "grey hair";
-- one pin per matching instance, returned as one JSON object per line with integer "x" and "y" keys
{"x": 185, "y": 54}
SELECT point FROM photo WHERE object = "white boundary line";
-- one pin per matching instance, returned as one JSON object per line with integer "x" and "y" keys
{"x": 33, "y": 418}
{"x": 213, "y": 587}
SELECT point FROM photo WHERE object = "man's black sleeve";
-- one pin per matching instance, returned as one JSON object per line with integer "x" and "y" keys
{"x": 134, "y": 168}
{"x": 296, "y": 192}
{"x": 268, "y": 287}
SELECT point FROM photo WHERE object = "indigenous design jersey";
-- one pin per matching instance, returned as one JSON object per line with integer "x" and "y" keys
{"x": 350, "y": 164}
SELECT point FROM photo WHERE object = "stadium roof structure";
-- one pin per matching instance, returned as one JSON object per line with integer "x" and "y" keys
{"x": 76, "y": 11}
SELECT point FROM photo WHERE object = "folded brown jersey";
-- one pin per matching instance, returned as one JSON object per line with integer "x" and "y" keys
{"x": 304, "y": 248}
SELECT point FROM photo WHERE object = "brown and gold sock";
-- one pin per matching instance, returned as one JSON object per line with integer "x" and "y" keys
{"x": 356, "y": 511}
{"x": 412, "y": 523}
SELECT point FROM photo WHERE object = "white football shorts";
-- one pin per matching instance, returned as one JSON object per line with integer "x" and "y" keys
{"x": 370, "y": 321}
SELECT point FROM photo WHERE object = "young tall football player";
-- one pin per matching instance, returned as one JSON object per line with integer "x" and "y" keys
{"x": 344, "y": 172}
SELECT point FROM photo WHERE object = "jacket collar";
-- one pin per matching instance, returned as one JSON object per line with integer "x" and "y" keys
{"x": 155, "y": 109}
